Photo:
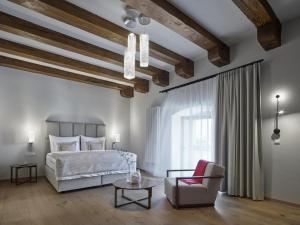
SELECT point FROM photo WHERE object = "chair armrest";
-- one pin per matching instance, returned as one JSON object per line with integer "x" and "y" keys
{"x": 177, "y": 188}
{"x": 193, "y": 177}
{"x": 179, "y": 170}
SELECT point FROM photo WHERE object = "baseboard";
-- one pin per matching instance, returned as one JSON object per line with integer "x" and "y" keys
{"x": 8, "y": 179}
{"x": 283, "y": 202}
{"x": 266, "y": 198}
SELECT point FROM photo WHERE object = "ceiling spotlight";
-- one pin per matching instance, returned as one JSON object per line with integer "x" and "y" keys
{"x": 130, "y": 22}
{"x": 130, "y": 18}
{"x": 144, "y": 20}
{"x": 130, "y": 12}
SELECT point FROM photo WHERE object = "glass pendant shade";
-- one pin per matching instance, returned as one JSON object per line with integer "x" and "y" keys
{"x": 144, "y": 50}
{"x": 131, "y": 45}
{"x": 129, "y": 64}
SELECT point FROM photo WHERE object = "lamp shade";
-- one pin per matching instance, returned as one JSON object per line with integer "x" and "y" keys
{"x": 144, "y": 50}
{"x": 31, "y": 137}
{"x": 131, "y": 45}
{"x": 129, "y": 64}
{"x": 116, "y": 138}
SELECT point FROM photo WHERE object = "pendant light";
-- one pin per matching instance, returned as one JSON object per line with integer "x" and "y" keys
{"x": 129, "y": 65}
{"x": 131, "y": 43}
{"x": 144, "y": 42}
{"x": 144, "y": 50}
{"x": 129, "y": 57}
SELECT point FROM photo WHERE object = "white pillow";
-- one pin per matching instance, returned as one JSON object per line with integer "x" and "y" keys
{"x": 67, "y": 147}
{"x": 54, "y": 141}
{"x": 86, "y": 140}
{"x": 95, "y": 146}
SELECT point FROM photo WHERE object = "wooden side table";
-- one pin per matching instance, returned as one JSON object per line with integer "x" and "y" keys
{"x": 14, "y": 176}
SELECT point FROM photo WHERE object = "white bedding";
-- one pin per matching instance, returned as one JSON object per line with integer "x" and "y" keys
{"x": 72, "y": 165}
{"x": 50, "y": 161}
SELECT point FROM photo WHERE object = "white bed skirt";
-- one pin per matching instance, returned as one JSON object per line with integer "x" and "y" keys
{"x": 85, "y": 182}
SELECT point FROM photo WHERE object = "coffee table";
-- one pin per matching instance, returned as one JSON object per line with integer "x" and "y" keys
{"x": 145, "y": 184}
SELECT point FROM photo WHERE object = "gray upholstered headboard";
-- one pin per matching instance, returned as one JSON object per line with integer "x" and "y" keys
{"x": 70, "y": 129}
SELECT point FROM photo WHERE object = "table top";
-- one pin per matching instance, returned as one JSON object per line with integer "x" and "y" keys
{"x": 23, "y": 165}
{"x": 145, "y": 183}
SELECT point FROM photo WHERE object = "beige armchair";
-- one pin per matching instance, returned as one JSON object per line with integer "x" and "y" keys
{"x": 181, "y": 194}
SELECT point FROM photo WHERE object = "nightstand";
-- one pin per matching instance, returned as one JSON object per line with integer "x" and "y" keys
{"x": 14, "y": 173}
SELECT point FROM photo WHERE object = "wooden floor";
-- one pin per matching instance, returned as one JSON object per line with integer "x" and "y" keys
{"x": 39, "y": 204}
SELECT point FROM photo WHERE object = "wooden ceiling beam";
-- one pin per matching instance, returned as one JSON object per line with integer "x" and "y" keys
{"x": 171, "y": 17}
{"x": 27, "y": 29}
{"x": 140, "y": 85}
{"x": 71, "y": 14}
{"x": 260, "y": 13}
{"x": 125, "y": 91}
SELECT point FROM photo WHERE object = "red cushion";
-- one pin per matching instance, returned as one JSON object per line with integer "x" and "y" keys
{"x": 199, "y": 171}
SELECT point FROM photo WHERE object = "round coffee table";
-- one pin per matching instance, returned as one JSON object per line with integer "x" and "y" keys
{"x": 145, "y": 184}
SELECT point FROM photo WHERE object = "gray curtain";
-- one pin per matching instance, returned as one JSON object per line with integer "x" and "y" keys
{"x": 238, "y": 127}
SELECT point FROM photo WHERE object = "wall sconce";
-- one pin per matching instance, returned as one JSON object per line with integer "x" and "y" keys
{"x": 115, "y": 139}
{"x": 276, "y": 132}
{"x": 31, "y": 137}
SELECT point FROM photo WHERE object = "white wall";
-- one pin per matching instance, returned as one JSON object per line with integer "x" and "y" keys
{"x": 281, "y": 74}
{"x": 282, "y": 166}
{"x": 27, "y": 100}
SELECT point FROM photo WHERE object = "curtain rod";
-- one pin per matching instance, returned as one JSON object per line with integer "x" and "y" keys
{"x": 208, "y": 77}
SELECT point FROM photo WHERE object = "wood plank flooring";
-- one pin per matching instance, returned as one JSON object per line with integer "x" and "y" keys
{"x": 40, "y": 204}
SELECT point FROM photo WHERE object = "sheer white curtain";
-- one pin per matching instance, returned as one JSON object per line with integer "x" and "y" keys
{"x": 152, "y": 142}
{"x": 187, "y": 127}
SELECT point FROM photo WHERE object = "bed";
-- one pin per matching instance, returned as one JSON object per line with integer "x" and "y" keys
{"x": 68, "y": 170}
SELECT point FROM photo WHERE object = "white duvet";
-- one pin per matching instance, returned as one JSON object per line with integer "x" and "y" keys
{"x": 72, "y": 165}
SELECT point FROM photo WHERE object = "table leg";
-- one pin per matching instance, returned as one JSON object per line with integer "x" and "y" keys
{"x": 36, "y": 174}
{"x": 17, "y": 171}
{"x": 30, "y": 179}
{"x": 149, "y": 197}
{"x": 116, "y": 196}
{"x": 11, "y": 174}
{"x": 134, "y": 201}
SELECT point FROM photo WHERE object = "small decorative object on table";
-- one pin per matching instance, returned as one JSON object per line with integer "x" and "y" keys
{"x": 130, "y": 163}
{"x": 136, "y": 177}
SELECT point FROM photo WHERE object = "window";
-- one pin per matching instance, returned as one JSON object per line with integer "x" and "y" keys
{"x": 192, "y": 137}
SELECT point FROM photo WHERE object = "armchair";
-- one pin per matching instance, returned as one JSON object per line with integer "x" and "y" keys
{"x": 181, "y": 194}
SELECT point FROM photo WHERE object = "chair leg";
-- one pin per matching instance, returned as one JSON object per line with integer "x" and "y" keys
{"x": 177, "y": 197}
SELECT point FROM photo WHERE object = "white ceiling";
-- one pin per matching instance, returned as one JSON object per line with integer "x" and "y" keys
{"x": 286, "y": 9}
{"x": 225, "y": 20}
{"x": 220, "y": 17}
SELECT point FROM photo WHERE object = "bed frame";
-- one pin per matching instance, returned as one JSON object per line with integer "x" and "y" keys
{"x": 70, "y": 129}
{"x": 85, "y": 182}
